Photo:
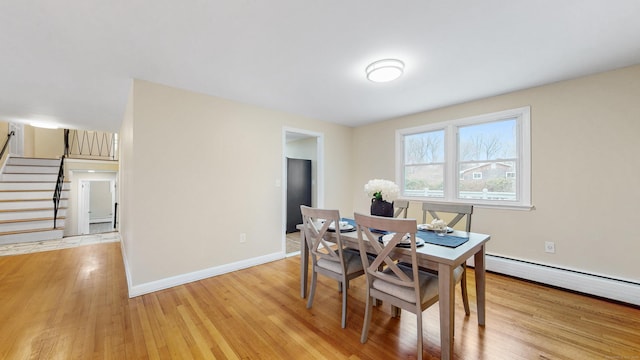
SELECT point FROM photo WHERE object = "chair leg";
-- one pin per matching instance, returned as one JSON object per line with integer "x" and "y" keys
{"x": 419, "y": 318}
{"x": 378, "y": 302}
{"x": 312, "y": 290}
{"x": 345, "y": 286}
{"x": 463, "y": 286}
{"x": 367, "y": 319}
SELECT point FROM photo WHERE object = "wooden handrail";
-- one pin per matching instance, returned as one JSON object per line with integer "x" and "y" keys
{"x": 6, "y": 143}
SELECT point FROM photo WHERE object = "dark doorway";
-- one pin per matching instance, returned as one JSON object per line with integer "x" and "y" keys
{"x": 298, "y": 190}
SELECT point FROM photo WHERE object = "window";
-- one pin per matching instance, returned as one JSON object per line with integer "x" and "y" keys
{"x": 482, "y": 159}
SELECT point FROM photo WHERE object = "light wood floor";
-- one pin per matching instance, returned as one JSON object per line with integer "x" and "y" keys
{"x": 73, "y": 304}
{"x": 293, "y": 242}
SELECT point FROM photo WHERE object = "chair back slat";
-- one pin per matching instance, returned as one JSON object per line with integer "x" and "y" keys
{"x": 436, "y": 209}
{"x": 401, "y": 208}
{"x": 316, "y": 223}
{"x": 377, "y": 253}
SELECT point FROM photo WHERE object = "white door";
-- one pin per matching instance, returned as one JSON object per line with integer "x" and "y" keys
{"x": 16, "y": 147}
{"x": 84, "y": 208}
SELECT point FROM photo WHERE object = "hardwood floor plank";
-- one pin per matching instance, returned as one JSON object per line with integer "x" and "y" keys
{"x": 73, "y": 304}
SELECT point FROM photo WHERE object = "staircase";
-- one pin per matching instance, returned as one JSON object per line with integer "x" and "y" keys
{"x": 26, "y": 205}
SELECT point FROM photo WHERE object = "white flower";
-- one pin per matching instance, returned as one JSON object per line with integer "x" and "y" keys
{"x": 382, "y": 190}
{"x": 438, "y": 224}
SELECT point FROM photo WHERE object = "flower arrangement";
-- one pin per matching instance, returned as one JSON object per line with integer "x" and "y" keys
{"x": 382, "y": 190}
{"x": 439, "y": 227}
{"x": 438, "y": 224}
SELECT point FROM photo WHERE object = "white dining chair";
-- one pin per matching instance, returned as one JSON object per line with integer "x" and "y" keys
{"x": 401, "y": 208}
{"x": 404, "y": 286}
{"x": 435, "y": 210}
{"x": 327, "y": 254}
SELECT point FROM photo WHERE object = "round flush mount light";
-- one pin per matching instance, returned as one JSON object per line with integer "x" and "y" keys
{"x": 385, "y": 70}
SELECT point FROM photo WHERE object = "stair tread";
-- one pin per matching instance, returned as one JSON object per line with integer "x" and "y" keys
{"x": 29, "y": 220}
{"x": 20, "y": 200}
{"x": 29, "y": 190}
{"x": 22, "y": 167}
{"x": 31, "y": 209}
{"x": 30, "y": 181}
{"x": 33, "y": 158}
{"x": 20, "y": 173}
{"x": 56, "y": 167}
{"x": 30, "y": 231}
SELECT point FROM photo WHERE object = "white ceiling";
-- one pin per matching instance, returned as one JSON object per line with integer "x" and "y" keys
{"x": 72, "y": 61}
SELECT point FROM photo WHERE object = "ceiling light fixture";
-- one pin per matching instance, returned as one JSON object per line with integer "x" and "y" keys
{"x": 385, "y": 70}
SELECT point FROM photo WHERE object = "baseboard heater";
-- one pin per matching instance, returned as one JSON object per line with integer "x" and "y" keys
{"x": 597, "y": 285}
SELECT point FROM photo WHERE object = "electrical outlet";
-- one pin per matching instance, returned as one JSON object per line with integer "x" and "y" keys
{"x": 243, "y": 238}
{"x": 550, "y": 247}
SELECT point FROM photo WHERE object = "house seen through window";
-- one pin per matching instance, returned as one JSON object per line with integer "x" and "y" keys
{"x": 482, "y": 159}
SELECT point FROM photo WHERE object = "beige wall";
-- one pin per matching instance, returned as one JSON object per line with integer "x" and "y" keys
{"x": 29, "y": 141}
{"x": 585, "y": 172}
{"x": 126, "y": 194}
{"x": 584, "y": 178}
{"x": 37, "y": 142}
{"x": 185, "y": 205}
{"x": 4, "y": 130}
{"x": 48, "y": 143}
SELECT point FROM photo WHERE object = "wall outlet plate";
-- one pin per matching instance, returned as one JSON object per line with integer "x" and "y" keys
{"x": 550, "y": 247}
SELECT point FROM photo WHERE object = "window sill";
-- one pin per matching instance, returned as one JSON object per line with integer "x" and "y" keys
{"x": 476, "y": 205}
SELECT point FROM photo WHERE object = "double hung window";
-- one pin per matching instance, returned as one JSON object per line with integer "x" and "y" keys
{"x": 482, "y": 159}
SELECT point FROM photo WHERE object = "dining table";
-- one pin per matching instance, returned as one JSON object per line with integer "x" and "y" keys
{"x": 459, "y": 246}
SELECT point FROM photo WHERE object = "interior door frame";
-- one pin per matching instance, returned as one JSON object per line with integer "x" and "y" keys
{"x": 16, "y": 147}
{"x": 84, "y": 198}
{"x": 84, "y": 202}
{"x": 319, "y": 175}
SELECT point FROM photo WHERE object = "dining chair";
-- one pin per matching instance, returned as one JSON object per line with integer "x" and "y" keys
{"x": 401, "y": 208}
{"x": 328, "y": 256}
{"x": 404, "y": 285}
{"x": 459, "y": 212}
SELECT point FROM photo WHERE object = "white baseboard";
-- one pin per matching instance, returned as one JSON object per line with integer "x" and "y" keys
{"x": 162, "y": 284}
{"x": 107, "y": 219}
{"x": 127, "y": 271}
{"x": 614, "y": 289}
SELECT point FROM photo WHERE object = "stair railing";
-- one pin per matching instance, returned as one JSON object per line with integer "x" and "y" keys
{"x": 6, "y": 143}
{"x": 96, "y": 145}
{"x": 57, "y": 193}
{"x": 115, "y": 216}
{"x": 66, "y": 142}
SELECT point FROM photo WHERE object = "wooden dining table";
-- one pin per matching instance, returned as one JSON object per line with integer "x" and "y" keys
{"x": 437, "y": 257}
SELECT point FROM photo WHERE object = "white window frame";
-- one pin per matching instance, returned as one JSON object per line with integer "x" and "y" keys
{"x": 451, "y": 175}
